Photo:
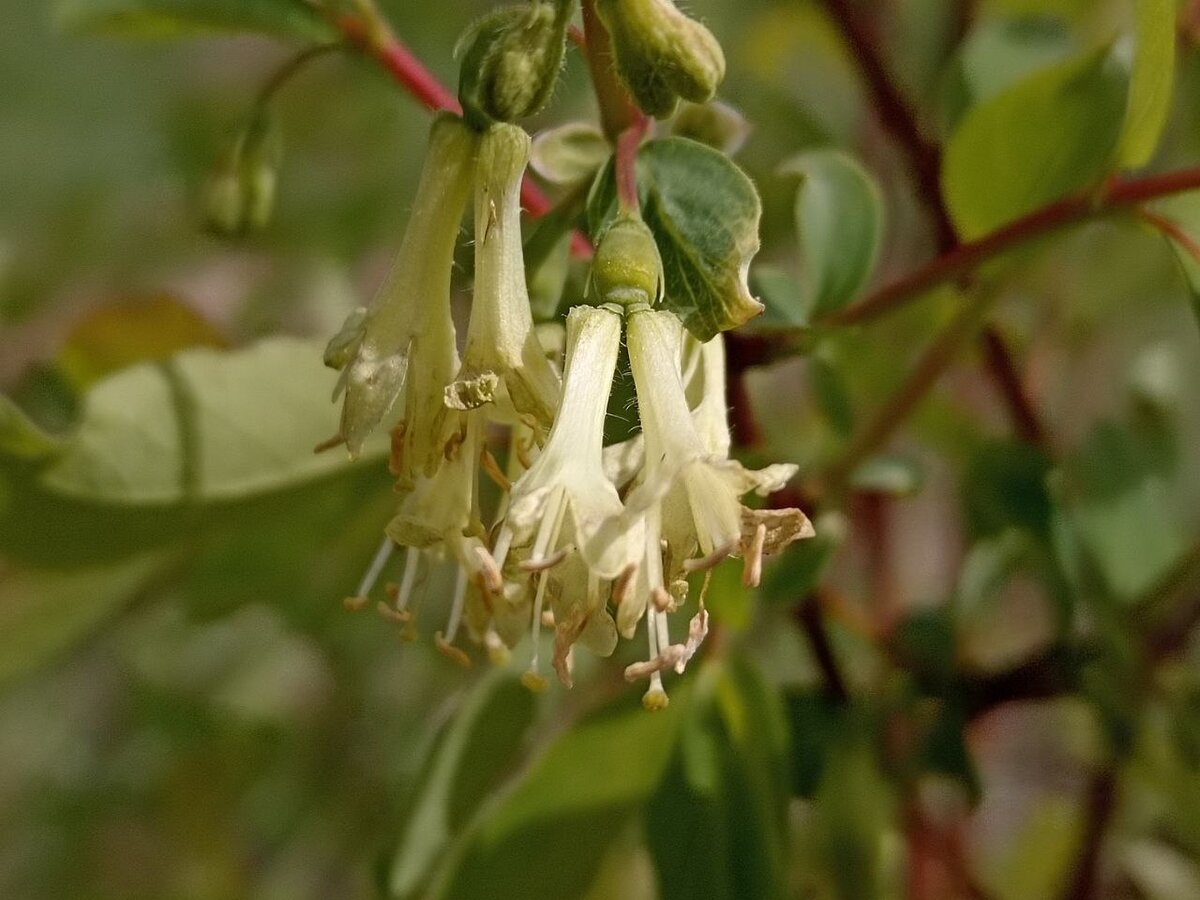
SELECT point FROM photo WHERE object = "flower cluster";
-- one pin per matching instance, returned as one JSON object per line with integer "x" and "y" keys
{"x": 587, "y": 540}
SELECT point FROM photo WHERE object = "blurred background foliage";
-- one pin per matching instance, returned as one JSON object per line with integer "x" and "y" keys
{"x": 977, "y": 681}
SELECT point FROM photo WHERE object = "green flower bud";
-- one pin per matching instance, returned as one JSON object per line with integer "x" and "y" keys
{"x": 241, "y": 192}
{"x": 627, "y": 270}
{"x": 512, "y": 61}
{"x": 661, "y": 54}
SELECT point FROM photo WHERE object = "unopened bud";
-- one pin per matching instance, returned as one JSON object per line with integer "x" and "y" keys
{"x": 661, "y": 54}
{"x": 512, "y": 61}
{"x": 627, "y": 269}
{"x": 241, "y": 192}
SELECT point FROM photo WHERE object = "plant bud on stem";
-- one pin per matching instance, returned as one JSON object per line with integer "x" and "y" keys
{"x": 512, "y": 61}
{"x": 661, "y": 54}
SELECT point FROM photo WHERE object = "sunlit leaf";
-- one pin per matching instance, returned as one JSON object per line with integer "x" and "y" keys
{"x": 173, "y": 18}
{"x": 839, "y": 224}
{"x": 1048, "y": 135}
{"x": 1151, "y": 81}
{"x": 569, "y": 153}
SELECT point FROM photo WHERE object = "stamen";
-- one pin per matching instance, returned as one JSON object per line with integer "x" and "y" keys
{"x": 620, "y": 588}
{"x": 664, "y": 634}
{"x": 752, "y": 568}
{"x": 492, "y": 580}
{"x": 355, "y": 603}
{"x": 456, "y": 607}
{"x": 382, "y": 555}
{"x": 449, "y": 650}
{"x": 396, "y": 449}
{"x": 533, "y": 679}
{"x": 662, "y": 600}
{"x": 656, "y": 697}
{"x": 503, "y": 543}
{"x": 522, "y": 450}
{"x": 549, "y": 562}
{"x": 493, "y": 469}
{"x": 498, "y": 653}
{"x": 707, "y": 562}
{"x": 329, "y": 443}
{"x": 412, "y": 559}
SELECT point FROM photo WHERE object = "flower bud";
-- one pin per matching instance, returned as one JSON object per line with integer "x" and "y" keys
{"x": 627, "y": 270}
{"x": 241, "y": 192}
{"x": 661, "y": 54}
{"x": 512, "y": 62}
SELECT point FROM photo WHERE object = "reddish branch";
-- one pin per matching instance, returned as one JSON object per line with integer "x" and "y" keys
{"x": 1120, "y": 195}
{"x": 422, "y": 85}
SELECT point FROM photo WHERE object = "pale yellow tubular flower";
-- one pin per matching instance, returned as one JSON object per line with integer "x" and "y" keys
{"x": 502, "y": 346}
{"x": 400, "y": 344}
{"x": 564, "y": 496}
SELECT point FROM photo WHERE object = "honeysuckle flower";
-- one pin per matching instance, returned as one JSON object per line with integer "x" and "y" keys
{"x": 689, "y": 492}
{"x": 404, "y": 343}
{"x": 502, "y": 348}
{"x": 563, "y": 498}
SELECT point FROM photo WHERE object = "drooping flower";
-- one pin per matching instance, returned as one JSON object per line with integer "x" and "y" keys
{"x": 502, "y": 349}
{"x": 689, "y": 492}
{"x": 404, "y": 343}
{"x": 562, "y": 499}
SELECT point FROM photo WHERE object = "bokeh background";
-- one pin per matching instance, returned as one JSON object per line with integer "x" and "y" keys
{"x": 186, "y": 708}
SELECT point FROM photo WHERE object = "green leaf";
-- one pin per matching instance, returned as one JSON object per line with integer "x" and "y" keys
{"x": 43, "y": 614}
{"x": 21, "y": 438}
{"x": 547, "y": 837}
{"x": 839, "y": 223}
{"x": 999, "y": 52}
{"x": 466, "y": 763}
{"x": 175, "y": 18}
{"x": 163, "y": 448}
{"x": 1005, "y": 486}
{"x": 1048, "y": 135}
{"x": 717, "y": 827}
{"x": 1118, "y": 500}
{"x": 890, "y": 474}
{"x": 203, "y": 426}
{"x": 704, "y": 212}
{"x": 1184, "y": 209}
{"x": 783, "y": 297}
{"x": 569, "y": 153}
{"x": 1151, "y": 81}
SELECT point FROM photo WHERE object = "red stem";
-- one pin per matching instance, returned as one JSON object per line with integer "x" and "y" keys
{"x": 966, "y": 257}
{"x": 424, "y": 86}
{"x": 625, "y": 163}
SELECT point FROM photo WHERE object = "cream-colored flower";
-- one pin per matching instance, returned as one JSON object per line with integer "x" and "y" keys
{"x": 502, "y": 347}
{"x": 564, "y": 497}
{"x": 404, "y": 344}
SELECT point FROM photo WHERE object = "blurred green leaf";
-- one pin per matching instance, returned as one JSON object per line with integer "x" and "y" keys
{"x": 704, "y": 212}
{"x": 798, "y": 570}
{"x": 1117, "y": 499}
{"x": 890, "y": 474}
{"x": 173, "y": 18}
{"x": 839, "y": 224}
{"x": 1045, "y": 136}
{"x": 21, "y": 438}
{"x": 43, "y": 613}
{"x": 782, "y": 296}
{"x": 1005, "y": 486}
{"x": 547, "y": 836}
{"x": 715, "y": 124}
{"x": 200, "y": 427}
{"x": 570, "y": 153}
{"x": 717, "y": 826}
{"x": 814, "y": 718}
{"x": 999, "y": 52}
{"x": 477, "y": 749}
{"x": 1151, "y": 80}
{"x": 1184, "y": 210}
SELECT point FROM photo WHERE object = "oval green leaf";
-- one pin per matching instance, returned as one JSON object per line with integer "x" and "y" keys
{"x": 1150, "y": 82}
{"x": 839, "y": 223}
{"x": 1048, "y": 135}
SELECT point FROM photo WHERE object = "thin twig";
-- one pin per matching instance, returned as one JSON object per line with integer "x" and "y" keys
{"x": 1100, "y": 805}
{"x": 808, "y": 616}
{"x": 967, "y": 257}
{"x": 1008, "y": 380}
